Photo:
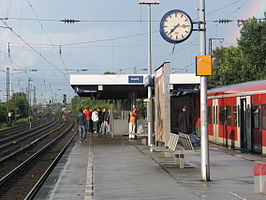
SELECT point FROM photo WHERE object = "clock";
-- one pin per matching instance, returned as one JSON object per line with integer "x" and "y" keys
{"x": 176, "y": 26}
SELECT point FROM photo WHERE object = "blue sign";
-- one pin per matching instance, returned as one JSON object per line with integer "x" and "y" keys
{"x": 135, "y": 79}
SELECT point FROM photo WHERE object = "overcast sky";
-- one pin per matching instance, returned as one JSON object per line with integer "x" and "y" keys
{"x": 111, "y": 36}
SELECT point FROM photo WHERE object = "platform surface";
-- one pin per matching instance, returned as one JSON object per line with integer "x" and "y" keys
{"x": 121, "y": 169}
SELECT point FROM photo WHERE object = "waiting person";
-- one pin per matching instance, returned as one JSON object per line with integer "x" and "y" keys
{"x": 184, "y": 121}
{"x": 95, "y": 119}
{"x": 90, "y": 121}
{"x": 87, "y": 116}
{"x": 81, "y": 120}
{"x": 133, "y": 117}
{"x": 100, "y": 114}
{"x": 105, "y": 123}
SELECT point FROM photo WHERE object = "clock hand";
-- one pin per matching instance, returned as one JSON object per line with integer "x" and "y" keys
{"x": 184, "y": 26}
{"x": 172, "y": 30}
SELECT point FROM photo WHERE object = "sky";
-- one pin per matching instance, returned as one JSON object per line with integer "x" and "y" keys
{"x": 111, "y": 36}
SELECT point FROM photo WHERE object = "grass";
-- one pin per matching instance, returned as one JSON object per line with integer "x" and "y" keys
{"x": 18, "y": 122}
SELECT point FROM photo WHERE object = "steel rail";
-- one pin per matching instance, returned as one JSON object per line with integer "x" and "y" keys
{"x": 41, "y": 181}
{"x": 35, "y": 155}
{"x": 27, "y": 133}
{"x": 30, "y": 144}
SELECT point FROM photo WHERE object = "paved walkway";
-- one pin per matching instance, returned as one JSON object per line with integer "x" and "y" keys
{"x": 119, "y": 169}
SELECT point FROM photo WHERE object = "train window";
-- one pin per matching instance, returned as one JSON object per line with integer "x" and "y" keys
{"x": 209, "y": 114}
{"x": 222, "y": 115}
{"x": 263, "y": 116}
{"x": 255, "y": 116}
{"x": 235, "y": 115}
{"x": 228, "y": 115}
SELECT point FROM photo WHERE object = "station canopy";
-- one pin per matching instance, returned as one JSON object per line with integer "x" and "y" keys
{"x": 121, "y": 86}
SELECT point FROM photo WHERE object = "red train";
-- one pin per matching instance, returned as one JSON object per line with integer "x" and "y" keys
{"x": 237, "y": 116}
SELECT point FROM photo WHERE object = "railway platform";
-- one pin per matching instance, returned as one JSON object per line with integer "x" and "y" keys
{"x": 106, "y": 168}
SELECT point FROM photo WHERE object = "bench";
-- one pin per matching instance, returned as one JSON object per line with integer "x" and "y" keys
{"x": 173, "y": 150}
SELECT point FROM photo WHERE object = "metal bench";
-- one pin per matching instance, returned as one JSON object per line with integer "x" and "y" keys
{"x": 185, "y": 147}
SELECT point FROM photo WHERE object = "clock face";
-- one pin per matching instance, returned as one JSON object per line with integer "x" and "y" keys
{"x": 176, "y": 26}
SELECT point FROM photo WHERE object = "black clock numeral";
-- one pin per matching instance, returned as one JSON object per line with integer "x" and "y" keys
{"x": 182, "y": 36}
{"x": 176, "y": 37}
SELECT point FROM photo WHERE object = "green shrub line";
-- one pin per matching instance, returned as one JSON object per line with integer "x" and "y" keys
{"x": 18, "y": 122}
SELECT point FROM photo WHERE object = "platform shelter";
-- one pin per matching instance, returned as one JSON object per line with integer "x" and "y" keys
{"x": 129, "y": 88}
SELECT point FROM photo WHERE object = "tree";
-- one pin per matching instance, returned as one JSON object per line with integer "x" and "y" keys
{"x": 2, "y": 113}
{"x": 227, "y": 66}
{"x": 252, "y": 44}
{"x": 86, "y": 102}
{"x": 19, "y": 104}
{"x": 246, "y": 61}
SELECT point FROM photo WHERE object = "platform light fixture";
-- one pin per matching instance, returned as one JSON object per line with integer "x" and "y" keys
{"x": 148, "y": 2}
{"x": 149, "y": 102}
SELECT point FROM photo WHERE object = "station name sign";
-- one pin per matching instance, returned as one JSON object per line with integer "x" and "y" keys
{"x": 135, "y": 79}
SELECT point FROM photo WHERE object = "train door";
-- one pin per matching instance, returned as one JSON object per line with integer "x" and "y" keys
{"x": 215, "y": 120}
{"x": 256, "y": 131}
{"x": 245, "y": 123}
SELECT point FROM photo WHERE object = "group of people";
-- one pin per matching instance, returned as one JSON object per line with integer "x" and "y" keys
{"x": 90, "y": 120}
{"x": 97, "y": 120}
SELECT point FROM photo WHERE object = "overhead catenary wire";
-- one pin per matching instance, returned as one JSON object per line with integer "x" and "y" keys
{"x": 86, "y": 42}
{"x": 223, "y": 7}
{"x": 49, "y": 39}
{"x": 38, "y": 53}
{"x": 238, "y": 8}
{"x": 82, "y": 20}
{"x": 72, "y": 45}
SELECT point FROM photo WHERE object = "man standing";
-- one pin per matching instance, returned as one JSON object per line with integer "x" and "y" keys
{"x": 132, "y": 123}
{"x": 95, "y": 119}
{"x": 81, "y": 120}
{"x": 90, "y": 121}
{"x": 88, "y": 118}
{"x": 105, "y": 123}
{"x": 184, "y": 121}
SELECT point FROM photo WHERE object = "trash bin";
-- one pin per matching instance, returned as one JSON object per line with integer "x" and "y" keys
{"x": 259, "y": 171}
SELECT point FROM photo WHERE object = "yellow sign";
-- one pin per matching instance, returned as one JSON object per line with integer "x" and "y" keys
{"x": 203, "y": 65}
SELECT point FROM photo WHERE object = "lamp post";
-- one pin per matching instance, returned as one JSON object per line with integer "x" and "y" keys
{"x": 149, "y": 102}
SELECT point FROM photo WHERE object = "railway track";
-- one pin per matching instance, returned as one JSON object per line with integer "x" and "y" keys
{"x": 24, "y": 128}
{"x": 13, "y": 142}
{"x": 24, "y": 168}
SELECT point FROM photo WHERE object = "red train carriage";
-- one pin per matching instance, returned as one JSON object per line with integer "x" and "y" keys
{"x": 237, "y": 116}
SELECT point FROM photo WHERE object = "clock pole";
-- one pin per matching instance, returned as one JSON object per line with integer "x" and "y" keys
{"x": 149, "y": 102}
{"x": 205, "y": 163}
